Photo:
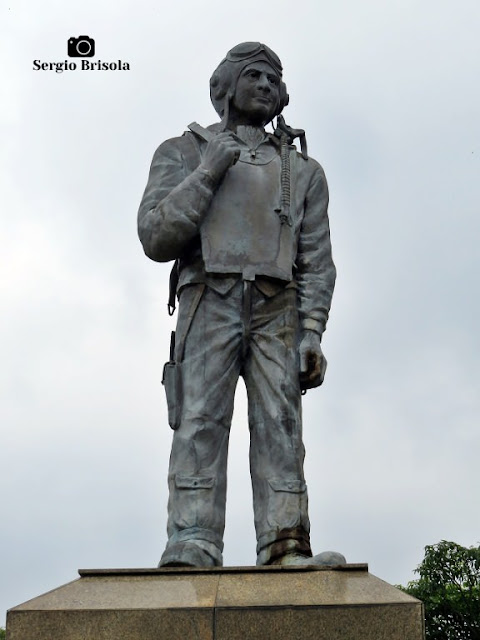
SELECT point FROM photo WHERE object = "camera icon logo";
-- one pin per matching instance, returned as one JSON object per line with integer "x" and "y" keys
{"x": 81, "y": 47}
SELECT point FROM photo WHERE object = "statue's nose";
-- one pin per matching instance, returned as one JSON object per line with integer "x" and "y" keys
{"x": 263, "y": 83}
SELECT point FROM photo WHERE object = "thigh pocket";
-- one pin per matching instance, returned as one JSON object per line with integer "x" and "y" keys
{"x": 194, "y": 503}
{"x": 287, "y": 502}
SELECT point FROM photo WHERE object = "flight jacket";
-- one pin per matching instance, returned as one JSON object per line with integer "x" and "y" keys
{"x": 178, "y": 196}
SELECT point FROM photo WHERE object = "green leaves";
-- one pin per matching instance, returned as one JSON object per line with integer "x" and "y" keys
{"x": 449, "y": 586}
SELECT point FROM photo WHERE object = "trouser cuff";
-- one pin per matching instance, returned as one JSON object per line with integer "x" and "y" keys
{"x": 276, "y": 544}
{"x": 194, "y": 547}
{"x": 196, "y": 533}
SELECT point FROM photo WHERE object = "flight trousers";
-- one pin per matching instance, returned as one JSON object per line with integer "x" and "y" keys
{"x": 224, "y": 336}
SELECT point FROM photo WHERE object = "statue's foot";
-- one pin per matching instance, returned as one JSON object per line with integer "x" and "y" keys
{"x": 326, "y": 559}
{"x": 185, "y": 554}
{"x": 329, "y": 558}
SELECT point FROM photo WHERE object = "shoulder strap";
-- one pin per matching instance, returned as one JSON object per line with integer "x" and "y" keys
{"x": 203, "y": 133}
{"x": 192, "y": 156}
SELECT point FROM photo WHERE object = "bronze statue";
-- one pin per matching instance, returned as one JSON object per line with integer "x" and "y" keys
{"x": 244, "y": 216}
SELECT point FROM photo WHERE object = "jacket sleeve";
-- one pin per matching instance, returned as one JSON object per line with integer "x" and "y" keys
{"x": 174, "y": 202}
{"x": 316, "y": 271}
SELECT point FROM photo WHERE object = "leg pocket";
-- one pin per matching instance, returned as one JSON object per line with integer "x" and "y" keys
{"x": 287, "y": 501}
{"x": 194, "y": 503}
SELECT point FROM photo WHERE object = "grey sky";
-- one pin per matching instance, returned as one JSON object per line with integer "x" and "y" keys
{"x": 388, "y": 94}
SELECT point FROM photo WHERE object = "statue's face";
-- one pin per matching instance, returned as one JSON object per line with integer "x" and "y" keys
{"x": 256, "y": 95}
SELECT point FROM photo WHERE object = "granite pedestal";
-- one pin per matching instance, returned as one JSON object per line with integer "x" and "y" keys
{"x": 230, "y": 603}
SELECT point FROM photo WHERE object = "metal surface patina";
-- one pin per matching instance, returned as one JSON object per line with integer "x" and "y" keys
{"x": 244, "y": 216}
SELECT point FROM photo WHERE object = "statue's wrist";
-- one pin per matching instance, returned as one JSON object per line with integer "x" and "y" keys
{"x": 309, "y": 326}
{"x": 311, "y": 336}
{"x": 208, "y": 176}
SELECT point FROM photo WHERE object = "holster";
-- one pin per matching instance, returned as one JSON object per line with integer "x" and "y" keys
{"x": 171, "y": 380}
{"x": 172, "y": 370}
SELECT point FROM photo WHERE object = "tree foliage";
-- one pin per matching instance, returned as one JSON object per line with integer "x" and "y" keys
{"x": 449, "y": 586}
{"x": 2, "y": 634}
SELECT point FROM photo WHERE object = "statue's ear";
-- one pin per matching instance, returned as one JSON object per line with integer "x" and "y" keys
{"x": 284, "y": 97}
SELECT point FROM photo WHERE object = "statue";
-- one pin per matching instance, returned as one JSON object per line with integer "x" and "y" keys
{"x": 244, "y": 217}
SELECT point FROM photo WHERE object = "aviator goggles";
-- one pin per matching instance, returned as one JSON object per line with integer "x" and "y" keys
{"x": 247, "y": 50}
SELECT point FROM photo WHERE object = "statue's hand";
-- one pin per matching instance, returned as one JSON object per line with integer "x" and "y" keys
{"x": 312, "y": 361}
{"x": 221, "y": 153}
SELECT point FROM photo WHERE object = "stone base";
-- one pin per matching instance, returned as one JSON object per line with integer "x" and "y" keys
{"x": 230, "y": 603}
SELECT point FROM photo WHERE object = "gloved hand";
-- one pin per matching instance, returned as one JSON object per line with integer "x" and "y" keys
{"x": 313, "y": 363}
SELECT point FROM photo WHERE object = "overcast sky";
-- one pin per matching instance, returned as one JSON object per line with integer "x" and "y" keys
{"x": 388, "y": 92}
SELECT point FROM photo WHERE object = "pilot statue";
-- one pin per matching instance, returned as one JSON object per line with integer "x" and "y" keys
{"x": 244, "y": 216}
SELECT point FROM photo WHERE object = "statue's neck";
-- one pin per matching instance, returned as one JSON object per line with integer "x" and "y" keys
{"x": 251, "y": 135}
